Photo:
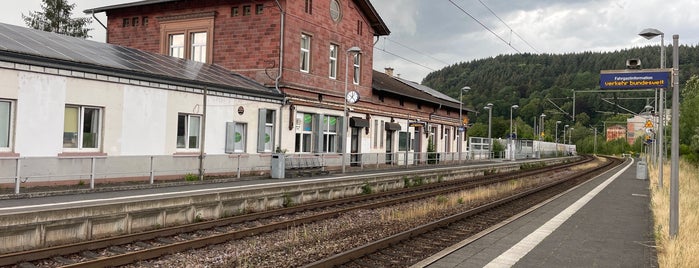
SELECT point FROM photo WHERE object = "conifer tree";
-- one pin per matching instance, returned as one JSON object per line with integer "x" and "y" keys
{"x": 56, "y": 17}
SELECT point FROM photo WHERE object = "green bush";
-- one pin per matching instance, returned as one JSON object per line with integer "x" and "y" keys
{"x": 191, "y": 177}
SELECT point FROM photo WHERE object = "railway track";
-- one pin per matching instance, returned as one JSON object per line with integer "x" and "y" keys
{"x": 407, "y": 248}
{"x": 121, "y": 250}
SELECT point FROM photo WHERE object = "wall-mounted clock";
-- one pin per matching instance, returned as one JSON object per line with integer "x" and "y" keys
{"x": 352, "y": 97}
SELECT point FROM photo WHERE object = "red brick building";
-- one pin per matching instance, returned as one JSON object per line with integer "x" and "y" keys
{"x": 616, "y": 132}
{"x": 302, "y": 48}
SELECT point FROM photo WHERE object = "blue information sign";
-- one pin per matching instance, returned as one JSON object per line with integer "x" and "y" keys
{"x": 634, "y": 79}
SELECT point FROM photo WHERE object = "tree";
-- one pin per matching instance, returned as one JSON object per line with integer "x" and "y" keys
{"x": 689, "y": 117}
{"x": 55, "y": 17}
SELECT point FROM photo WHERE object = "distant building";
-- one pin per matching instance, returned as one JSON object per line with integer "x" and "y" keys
{"x": 616, "y": 132}
{"x": 636, "y": 127}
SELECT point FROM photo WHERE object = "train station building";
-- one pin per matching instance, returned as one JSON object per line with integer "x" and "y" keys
{"x": 180, "y": 80}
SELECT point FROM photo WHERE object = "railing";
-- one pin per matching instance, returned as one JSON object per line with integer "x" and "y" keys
{"x": 87, "y": 171}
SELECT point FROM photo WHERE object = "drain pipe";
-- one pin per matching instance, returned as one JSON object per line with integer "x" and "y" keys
{"x": 281, "y": 67}
{"x": 106, "y": 34}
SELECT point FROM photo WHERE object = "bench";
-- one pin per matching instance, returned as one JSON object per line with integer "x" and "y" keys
{"x": 304, "y": 165}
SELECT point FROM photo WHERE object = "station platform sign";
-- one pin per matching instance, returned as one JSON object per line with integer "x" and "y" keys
{"x": 635, "y": 79}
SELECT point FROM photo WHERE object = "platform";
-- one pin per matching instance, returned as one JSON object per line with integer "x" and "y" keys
{"x": 605, "y": 222}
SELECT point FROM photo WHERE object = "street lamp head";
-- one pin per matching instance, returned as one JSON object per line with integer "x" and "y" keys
{"x": 486, "y": 107}
{"x": 566, "y": 126}
{"x": 558, "y": 122}
{"x": 543, "y": 115}
{"x": 649, "y": 33}
{"x": 466, "y": 88}
{"x": 489, "y": 104}
{"x": 515, "y": 106}
{"x": 354, "y": 50}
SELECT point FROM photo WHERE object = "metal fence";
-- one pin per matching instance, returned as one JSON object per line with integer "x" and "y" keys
{"x": 88, "y": 171}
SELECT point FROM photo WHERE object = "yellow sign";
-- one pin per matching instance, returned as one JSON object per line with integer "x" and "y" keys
{"x": 649, "y": 124}
{"x": 542, "y": 134}
{"x": 465, "y": 122}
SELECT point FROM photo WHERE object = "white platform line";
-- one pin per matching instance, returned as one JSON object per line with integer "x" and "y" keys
{"x": 519, "y": 250}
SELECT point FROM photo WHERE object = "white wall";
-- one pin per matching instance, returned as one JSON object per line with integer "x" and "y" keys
{"x": 40, "y": 112}
{"x": 143, "y": 121}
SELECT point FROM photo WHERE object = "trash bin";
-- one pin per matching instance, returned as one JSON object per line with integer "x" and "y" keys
{"x": 642, "y": 170}
{"x": 278, "y": 166}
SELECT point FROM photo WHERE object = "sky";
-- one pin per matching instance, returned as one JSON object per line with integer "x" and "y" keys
{"x": 428, "y": 35}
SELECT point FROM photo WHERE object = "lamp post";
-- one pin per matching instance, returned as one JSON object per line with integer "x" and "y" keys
{"x": 650, "y": 33}
{"x": 489, "y": 107}
{"x": 564, "y": 133}
{"x": 570, "y": 136}
{"x": 556, "y": 141}
{"x": 511, "y": 141}
{"x": 345, "y": 113}
{"x": 461, "y": 120}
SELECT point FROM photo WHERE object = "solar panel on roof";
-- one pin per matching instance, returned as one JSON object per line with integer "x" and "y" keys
{"x": 94, "y": 54}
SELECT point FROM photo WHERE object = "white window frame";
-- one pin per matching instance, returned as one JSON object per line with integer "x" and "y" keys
{"x": 300, "y": 145}
{"x": 333, "y": 61}
{"x": 234, "y": 130}
{"x": 305, "y": 56}
{"x": 330, "y": 137}
{"x": 9, "y": 125}
{"x": 188, "y": 121}
{"x": 78, "y": 137}
{"x": 176, "y": 50}
{"x": 356, "y": 67}
{"x": 198, "y": 49}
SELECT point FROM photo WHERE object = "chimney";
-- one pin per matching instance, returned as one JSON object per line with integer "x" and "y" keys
{"x": 389, "y": 71}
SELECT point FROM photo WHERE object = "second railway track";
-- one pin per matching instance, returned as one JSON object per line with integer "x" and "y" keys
{"x": 128, "y": 249}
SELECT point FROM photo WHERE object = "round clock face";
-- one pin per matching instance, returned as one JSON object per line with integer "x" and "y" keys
{"x": 352, "y": 96}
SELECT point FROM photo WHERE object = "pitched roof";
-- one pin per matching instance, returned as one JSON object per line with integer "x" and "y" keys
{"x": 365, "y": 6}
{"x": 29, "y": 46}
{"x": 384, "y": 82}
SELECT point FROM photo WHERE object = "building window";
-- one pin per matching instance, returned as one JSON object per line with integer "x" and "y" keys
{"x": 309, "y": 6}
{"x": 330, "y": 134}
{"x": 188, "y": 129}
{"x": 318, "y": 133}
{"x": 187, "y": 39}
{"x": 304, "y": 133}
{"x": 265, "y": 130}
{"x": 360, "y": 25}
{"x": 333, "y": 61}
{"x": 5, "y": 123}
{"x": 198, "y": 48}
{"x": 246, "y": 10}
{"x": 403, "y": 140}
{"x": 236, "y": 137}
{"x": 134, "y": 21}
{"x": 419, "y": 106}
{"x": 176, "y": 45}
{"x": 234, "y": 11}
{"x": 258, "y": 9}
{"x": 81, "y": 127}
{"x": 376, "y": 133}
{"x": 144, "y": 21}
{"x": 357, "y": 68}
{"x": 305, "y": 53}
{"x": 125, "y": 22}
{"x": 335, "y": 12}
{"x": 401, "y": 102}
{"x": 382, "y": 131}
